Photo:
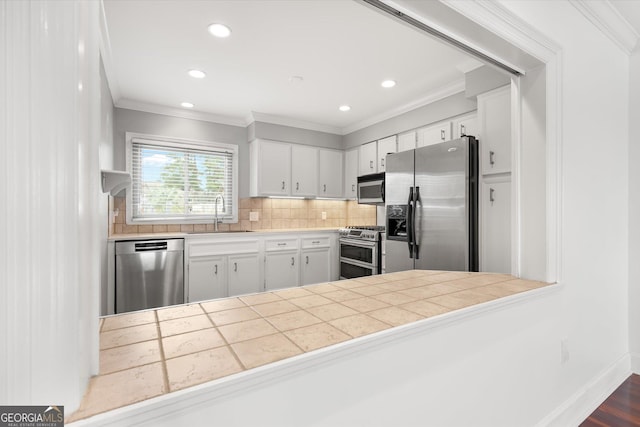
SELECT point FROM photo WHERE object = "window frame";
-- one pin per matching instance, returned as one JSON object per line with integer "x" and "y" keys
{"x": 186, "y": 144}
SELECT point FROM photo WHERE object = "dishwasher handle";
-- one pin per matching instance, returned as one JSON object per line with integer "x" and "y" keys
{"x": 151, "y": 246}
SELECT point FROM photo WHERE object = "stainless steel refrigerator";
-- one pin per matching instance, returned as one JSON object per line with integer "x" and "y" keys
{"x": 431, "y": 207}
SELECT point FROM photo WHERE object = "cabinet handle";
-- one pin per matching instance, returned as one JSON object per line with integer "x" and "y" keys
{"x": 283, "y": 185}
{"x": 370, "y": 164}
{"x": 282, "y": 244}
{"x": 442, "y": 134}
{"x": 216, "y": 270}
{"x": 235, "y": 266}
{"x": 491, "y": 193}
{"x": 307, "y": 259}
{"x": 293, "y": 261}
{"x": 382, "y": 162}
{"x": 315, "y": 242}
{"x": 297, "y": 185}
{"x": 491, "y": 161}
{"x": 463, "y": 131}
{"x": 324, "y": 187}
{"x": 353, "y": 187}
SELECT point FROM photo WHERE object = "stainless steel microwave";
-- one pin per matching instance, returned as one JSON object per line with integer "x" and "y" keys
{"x": 371, "y": 189}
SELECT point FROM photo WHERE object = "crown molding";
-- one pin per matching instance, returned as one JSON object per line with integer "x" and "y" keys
{"x": 448, "y": 90}
{"x": 105, "y": 53}
{"x": 130, "y": 104}
{"x": 256, "y": 116}
{"x": 608, "y": 19}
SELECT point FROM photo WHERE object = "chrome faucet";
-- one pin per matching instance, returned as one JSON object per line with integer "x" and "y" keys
{"x": 215, "y": 224}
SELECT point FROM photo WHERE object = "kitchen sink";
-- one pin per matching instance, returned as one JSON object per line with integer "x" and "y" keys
{"x": 219, "y": 232}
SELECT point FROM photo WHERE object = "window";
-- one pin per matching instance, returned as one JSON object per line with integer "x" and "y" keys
{"x": 180, "y": 181}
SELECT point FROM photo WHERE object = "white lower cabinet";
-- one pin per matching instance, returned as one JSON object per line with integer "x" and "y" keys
{"x": 207, "y": 278}
{"x": 316, "y": 266}
{"x": 280, "y": 270}
{"x": 495, "y": 244}
{"x": 244, "y": 274}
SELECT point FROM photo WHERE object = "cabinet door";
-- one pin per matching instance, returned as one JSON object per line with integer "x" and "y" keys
{"x": 207, "y": 278}
{"x": 244, "y": 274}
{"x": 367, "y": 158}
{"x": 465, "y": 125}
{"x": 330, "y": 176}
{"x": 351, "y": 174}
{"x": 433, "y": 134}
{"x": 316, "y": 267}
{"x": 274, "y": 168}
{"x": 494, "y": 117}
{"x": 304, "y": 170}
{"x": 281, "y": 270}
{"x": 386, "y": 146}
{"x": 407, "y": 141}
{"x": 495, "y": 252}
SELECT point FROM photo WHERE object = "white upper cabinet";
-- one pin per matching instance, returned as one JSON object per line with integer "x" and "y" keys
{"x": 368, "y": 158}
{"x": 270, "y": 163}
{"x": 386, "y": 146}
{"x": 330, "y": 183}
{"x": 351, "y": 174}
{"x": 304, "y": 170}
{"x": 466, "y": 125}
{"x": 494, "y": 128}
{"x": 407, "y": 141}
{"x": 434, "y": 134}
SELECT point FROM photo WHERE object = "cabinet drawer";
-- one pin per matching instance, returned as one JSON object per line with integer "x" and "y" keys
{"x": 281, "y": 244}
{"x": 223, "y": 247}
{"x": 315, "y": 242}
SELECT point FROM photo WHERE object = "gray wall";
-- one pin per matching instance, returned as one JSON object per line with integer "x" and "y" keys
{"x": 453, "y": 105}
{"x": 295, "y": 135}
{"x": 177, "y": 127}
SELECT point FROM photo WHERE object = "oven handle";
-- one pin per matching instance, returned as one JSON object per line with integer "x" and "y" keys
{"x": 372, "y": 267}
{"x": 359, "y": 243}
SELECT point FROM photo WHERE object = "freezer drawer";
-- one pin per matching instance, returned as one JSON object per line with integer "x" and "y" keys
{"x": 149, "y": 273}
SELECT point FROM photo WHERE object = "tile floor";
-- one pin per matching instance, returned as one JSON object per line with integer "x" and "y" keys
{"x": 146, "y": 354}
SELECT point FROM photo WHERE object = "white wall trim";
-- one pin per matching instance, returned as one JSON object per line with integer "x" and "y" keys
{"x": 583, "y": 402}
{"x": 130, "y": 104}
{"x": 610, "y": 22}
{"x": 635, "y": 363}
{"x": 105, "y": 54}
{"x": 288, "y": 121}
{"x": 436, "y": 95}
{"x": 209, "y": 393}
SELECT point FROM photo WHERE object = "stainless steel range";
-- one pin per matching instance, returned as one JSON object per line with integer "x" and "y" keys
{"x": 360, "y": 251}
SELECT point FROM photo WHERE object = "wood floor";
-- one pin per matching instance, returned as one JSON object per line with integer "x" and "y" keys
{"x": 621, "y": 409}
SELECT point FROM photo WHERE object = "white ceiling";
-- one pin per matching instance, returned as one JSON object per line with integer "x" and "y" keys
{"x": 341, "y": 48}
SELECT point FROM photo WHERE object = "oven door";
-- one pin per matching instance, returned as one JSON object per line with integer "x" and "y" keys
{"x": 353, "y": 269}
{"x": 361, "y": 251}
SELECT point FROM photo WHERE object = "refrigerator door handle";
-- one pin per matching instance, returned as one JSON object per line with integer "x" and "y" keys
{"x": 409, "y": 221}
{"x": 416, "y": 245}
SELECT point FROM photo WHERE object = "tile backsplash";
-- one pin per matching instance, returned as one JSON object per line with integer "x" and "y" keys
{"x": 272, "y": 214}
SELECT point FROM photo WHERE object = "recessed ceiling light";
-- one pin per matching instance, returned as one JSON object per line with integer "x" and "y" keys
{"x": 187, "y": 105}
{"x": 344, "y": 108}
{"x": 197, "y": 74}
{"x": 219, "y": 30}
{"x": 388, "y": 83}
{"x": 295, "y": 80}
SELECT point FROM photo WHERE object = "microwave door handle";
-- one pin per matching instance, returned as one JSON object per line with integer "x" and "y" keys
{"x": 382, "y": 190}
{"x": 409, "y": 220}
{"x": 416, "y": 245}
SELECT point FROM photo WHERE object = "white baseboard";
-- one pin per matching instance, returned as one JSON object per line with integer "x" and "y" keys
{"x": 635, "y": 363}
{"x": 583, "y": 402}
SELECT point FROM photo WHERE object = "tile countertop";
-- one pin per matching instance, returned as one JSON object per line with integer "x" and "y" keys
{"x": 149, "y": 353}
{"x": 169, "y": 235}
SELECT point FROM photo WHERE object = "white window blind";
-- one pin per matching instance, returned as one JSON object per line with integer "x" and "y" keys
{"x": 173, "y": 181}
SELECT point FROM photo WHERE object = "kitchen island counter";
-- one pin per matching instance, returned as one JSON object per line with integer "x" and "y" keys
{"x": 154, "y": 352}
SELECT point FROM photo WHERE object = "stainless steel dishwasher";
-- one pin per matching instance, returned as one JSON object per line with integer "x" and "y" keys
{"x": 149, "y": 273}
